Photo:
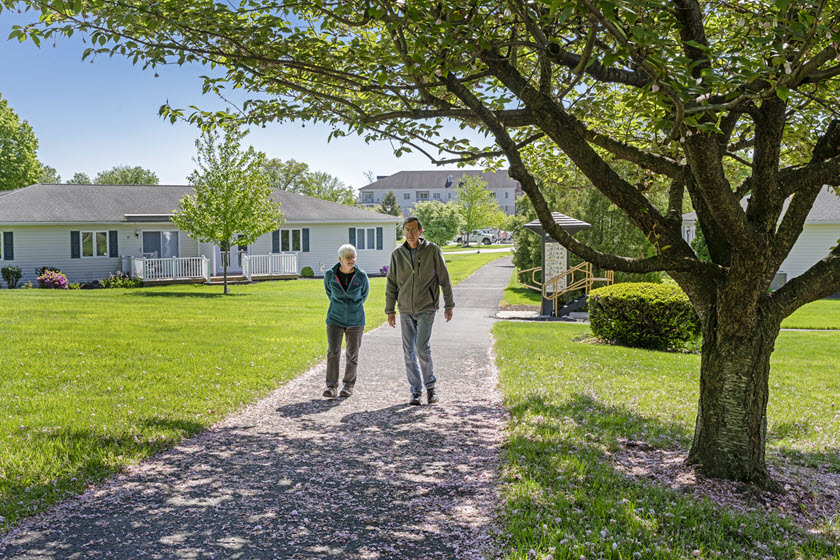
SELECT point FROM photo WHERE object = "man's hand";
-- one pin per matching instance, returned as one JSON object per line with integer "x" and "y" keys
{"x": 447, "y": 314}
{"x": 392, "y": 319}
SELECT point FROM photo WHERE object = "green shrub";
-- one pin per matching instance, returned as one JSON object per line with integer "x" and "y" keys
{"x": 11, "y": 274}
{"x": 307, "y": 272}
{"x": 120, "y": 280}
{"x": 643, "y": 315}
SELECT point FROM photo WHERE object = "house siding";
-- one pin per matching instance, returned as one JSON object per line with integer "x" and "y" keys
{"x": 508, "y": 205}
{"x": 324, "y": 241}
{"x": 813, "y": 245}
{"x": 38, "y": 246}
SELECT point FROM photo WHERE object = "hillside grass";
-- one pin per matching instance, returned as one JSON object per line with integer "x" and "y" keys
{"x": 96, "y": 380}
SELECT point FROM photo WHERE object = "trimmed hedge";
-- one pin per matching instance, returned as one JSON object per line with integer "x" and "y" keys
{"x": 307, "y": 272}
{"x": 643, "y": 315}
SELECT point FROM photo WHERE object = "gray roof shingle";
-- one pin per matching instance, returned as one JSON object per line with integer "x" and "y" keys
{"x": 48, "y": 203}
{"x": 439, "y": 179}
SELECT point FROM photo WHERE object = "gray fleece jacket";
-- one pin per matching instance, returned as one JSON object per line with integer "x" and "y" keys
{"x": 416, "y": 287}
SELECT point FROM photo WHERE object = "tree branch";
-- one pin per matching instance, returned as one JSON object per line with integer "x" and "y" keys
{"x": 819, "y": 281}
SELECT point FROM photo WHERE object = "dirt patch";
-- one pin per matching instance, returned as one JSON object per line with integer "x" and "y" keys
{"x": 811, "y": 499}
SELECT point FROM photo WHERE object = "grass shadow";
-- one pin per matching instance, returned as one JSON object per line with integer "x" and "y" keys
{"x": 561, "y": 455}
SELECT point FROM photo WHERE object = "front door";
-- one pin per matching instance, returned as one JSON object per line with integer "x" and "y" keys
{"x": 233, "y": 254}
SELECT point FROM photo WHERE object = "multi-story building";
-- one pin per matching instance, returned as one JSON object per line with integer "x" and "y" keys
{"x": 411, "y": 187}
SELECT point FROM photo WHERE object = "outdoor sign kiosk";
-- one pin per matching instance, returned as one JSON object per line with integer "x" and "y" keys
{"x": 555, "y": 258}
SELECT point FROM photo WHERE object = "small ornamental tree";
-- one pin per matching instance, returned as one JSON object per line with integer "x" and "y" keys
{"x": 389, "y": 205}
{"x": 232, "y": 201}
{"x": 441, "y": 222}
{"x": 477, "y": 205}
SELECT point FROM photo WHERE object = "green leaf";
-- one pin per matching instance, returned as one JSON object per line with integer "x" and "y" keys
{"x": 782, "y": 93}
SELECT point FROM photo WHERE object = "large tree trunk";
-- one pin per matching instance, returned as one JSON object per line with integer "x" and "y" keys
{"x": 731, "y": 429}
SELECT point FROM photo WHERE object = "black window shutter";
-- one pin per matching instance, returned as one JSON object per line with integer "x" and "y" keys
{"x": 75, "y": 245}
{"x": 353, "y": 236}
{"x": 275, "y": 241}
{"x": 113, "y": 251}
{"x": 306, "y": 240}
{"x": 8, "y": 246}
{"x": 379, "y": 239}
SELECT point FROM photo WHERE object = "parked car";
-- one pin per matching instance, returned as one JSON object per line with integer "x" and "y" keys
{"x": 483, "y": 236}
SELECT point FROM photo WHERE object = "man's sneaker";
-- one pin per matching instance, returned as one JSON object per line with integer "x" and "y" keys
{"x": 346, "y": 391}
{"x": 431, "y": 395}
{"x": 415, "y": 399}
{"x": 330, "y": 392}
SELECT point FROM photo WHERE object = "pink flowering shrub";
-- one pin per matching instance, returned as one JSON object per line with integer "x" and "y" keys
{"x": 54, "y": 280}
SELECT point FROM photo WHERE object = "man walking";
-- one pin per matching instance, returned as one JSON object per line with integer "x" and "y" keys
{"x": 416, "y": 275}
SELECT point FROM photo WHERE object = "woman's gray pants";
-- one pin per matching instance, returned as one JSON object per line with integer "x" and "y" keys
{"x": 353, "y": 336}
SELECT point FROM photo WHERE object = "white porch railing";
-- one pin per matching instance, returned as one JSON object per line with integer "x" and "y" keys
{"x": 174, "y": 268}
{"x": 269, "y": 265}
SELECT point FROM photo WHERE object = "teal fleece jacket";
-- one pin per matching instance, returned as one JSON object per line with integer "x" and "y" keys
{"x": 416, "y": 288}
{"x": 347, "y": 308}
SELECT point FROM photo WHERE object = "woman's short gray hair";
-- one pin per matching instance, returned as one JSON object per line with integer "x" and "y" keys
{"x": 346, "y": 250}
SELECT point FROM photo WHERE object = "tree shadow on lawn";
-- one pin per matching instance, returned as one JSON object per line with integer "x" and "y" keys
{"x": 298, "y": 488}
{"x": 572, "y": 461}
{"x": 89, "y": 456}
{"x": 158, "y": 293}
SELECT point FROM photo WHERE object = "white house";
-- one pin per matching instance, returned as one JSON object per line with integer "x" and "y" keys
{"x": 820, "y": 233}
{"x": 412, "y": 187}
{"x": 92, "y": 231}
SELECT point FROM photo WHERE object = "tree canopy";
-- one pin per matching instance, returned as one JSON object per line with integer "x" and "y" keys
{"x": 126, "y": 175}
{"x": 709, "y": 100}
{"x": 79, "y": 178}
{"x": 19, "y": 166}
{"x": 49, "y": 176}
{"x": 477, "y": 205}
{"x": 295, "y": 176}
{"x": 389, "y": 205}
{"x": 441, "y": 221}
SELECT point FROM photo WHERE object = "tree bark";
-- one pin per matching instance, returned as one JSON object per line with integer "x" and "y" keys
{"x": 731, "y": 428}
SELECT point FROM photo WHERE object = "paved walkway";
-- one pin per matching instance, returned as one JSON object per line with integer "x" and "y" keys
{"x": 298, "y": 477}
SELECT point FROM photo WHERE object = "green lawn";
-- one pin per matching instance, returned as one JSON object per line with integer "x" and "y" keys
{"x": 572, "y": 404}
{"x": 519, "y": 295}
{"x": 96, "y": 380}
{"x": 460, "y": 248}
{"x": 820, "y": 314}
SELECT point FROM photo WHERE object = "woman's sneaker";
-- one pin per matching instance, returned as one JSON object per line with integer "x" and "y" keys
{"x": 431, "y": 396}
{"x": 346, "y": 391}
{"x": 415, "y": 399}
{"x": 331, "y": 392}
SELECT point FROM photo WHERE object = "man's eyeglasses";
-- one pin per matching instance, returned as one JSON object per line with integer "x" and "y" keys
{"x": 412, "y": 231}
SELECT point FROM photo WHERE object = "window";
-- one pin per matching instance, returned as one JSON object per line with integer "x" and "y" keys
{"x": 367, "y": 197}
{"x": 157, "y": 244}
{"x": 290, "y": 240}
{"x": 449, "y": 196}
{"x": 422, "y": 195}
{"x": 406, "y": 196}
{"x": 506, "y": 194}
{"x": 365, "y": 239}
{"x": 437, "y": 196}
{"x": 492, "y": 194}
{"x": 94, "y": 243}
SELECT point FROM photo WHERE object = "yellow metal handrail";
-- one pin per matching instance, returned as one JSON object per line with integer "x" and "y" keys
{"x": 553, "y": 295}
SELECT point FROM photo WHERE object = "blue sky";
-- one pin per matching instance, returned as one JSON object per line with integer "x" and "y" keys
{"x": 90, "y": 117}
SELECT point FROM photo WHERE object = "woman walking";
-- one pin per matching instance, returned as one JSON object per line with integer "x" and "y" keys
{"x": 347, "y": 287}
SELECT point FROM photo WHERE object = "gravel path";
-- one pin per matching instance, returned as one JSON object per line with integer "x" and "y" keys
{"x": 298, "y": 477}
